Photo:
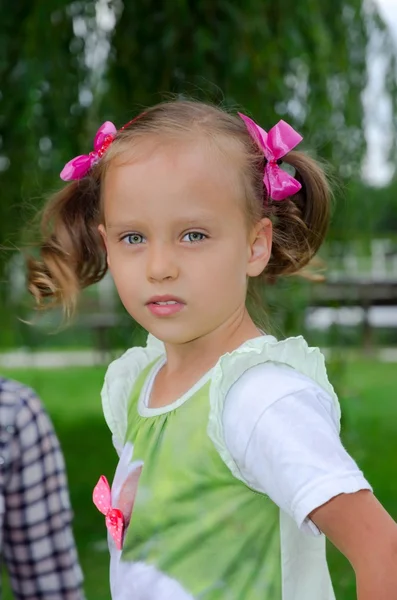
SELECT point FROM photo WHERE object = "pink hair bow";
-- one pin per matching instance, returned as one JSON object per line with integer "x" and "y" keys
{"x": 275, "y": 144}
{"x": 79, "y": 166}
{"x": 114, "y": 517}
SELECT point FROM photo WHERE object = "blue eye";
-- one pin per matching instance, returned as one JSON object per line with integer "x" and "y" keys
{"x": 194, "y": 236}
{"x": 133, "y": 239}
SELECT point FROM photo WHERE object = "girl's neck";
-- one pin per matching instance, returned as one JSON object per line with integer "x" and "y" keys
{"x": 205, "y": 351}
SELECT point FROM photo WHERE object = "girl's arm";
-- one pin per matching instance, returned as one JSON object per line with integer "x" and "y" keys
{"x": 359, "y": 526}
{"x": 282, "y": 431}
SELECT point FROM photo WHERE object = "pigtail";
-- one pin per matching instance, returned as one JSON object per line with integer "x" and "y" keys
{"x": 300, "y": 222}
{"x": 71, "y": 253}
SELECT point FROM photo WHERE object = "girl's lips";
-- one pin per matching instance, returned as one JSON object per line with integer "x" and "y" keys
{"x": 165, "y": 298}
{"x": 165, "y": 309}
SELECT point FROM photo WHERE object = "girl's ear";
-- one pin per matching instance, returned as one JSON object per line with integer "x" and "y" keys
{"x": 260, "y": 247}
{"x": 102, "y": 231}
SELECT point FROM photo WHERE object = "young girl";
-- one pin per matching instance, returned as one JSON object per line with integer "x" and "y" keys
{"x": 231, "y": 467}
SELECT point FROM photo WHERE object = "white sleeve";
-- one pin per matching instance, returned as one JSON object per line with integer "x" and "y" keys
{"x": 282, "y": 431}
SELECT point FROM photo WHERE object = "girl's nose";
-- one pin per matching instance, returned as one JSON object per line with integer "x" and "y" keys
{"x": 161, "y": 263}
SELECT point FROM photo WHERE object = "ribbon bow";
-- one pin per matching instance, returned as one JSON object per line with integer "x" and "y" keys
{"x": 275, "y": 144}
{"x": 114, "y": 518}
{"x": 79, "y": 166}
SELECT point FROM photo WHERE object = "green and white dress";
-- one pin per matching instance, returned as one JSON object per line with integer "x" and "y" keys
{"x": 203, "y": 525}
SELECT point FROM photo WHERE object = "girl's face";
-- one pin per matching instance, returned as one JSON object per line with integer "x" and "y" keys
{"x": 177, "y": 242}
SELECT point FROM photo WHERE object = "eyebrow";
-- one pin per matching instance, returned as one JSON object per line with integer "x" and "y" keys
{"x": 181, "y": 222}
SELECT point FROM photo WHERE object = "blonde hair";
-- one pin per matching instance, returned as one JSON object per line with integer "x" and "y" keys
{"x": 72, "y": 255}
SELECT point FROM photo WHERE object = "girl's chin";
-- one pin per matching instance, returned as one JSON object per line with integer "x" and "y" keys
{"x": 171, "y": 334}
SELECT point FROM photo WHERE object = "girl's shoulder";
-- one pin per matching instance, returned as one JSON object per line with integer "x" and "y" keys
{"x": 293, "y": 352}
{"x": 120, "y": 377}
{"x": 269, "y": 368}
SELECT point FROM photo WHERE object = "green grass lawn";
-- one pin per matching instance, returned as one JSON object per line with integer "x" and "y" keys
{"x": 72, "y": 399}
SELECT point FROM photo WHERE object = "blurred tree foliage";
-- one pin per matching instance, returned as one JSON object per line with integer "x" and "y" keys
{"x": 41, "y": 120}
{"x": 67, "y": 66}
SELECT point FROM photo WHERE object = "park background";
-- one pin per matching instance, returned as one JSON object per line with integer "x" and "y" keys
{"x": 329, "y": 68}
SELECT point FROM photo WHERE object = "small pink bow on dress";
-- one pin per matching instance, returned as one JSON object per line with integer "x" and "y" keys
{"x": 275, "y": 144}
{"x": 79, "y": 166}
{"x": 114, "y": 518}
{"x": 122, "y": 495}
